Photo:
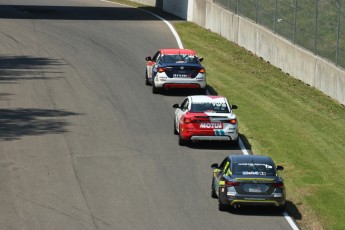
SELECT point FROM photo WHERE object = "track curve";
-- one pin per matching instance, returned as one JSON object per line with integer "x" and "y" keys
{"x": 84, "y": 144}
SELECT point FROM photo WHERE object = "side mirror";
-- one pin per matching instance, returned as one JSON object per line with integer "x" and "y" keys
{"x": 234, "y": 107}
{"x": 215, "y": 166}
{"x": 148, "y": 58}
{"x": 175, "y": 106}
{"x": 279, "y": 167}
{"x": 201, "y": 59}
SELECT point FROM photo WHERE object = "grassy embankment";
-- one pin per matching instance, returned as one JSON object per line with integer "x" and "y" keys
{"x": 298, "y": 126}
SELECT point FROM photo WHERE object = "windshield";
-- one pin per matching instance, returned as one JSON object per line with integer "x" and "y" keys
{"x": 214, "y": 107}
{"x": 253, "y": 169}
{"x": 179, "y": 58}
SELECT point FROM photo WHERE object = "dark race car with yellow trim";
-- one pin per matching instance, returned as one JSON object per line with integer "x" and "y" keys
{"x": 247, "y": 180}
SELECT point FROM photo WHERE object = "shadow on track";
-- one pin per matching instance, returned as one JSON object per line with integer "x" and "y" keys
{"x": 266, "y": 211}
{"x": 15, "y": 123}
{"x": 25, "y": 67}
{"x": 52, "y": 12}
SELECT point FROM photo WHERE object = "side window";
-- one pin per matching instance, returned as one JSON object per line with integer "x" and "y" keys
{"x": 156, "y": 56}
{"x": 222, "y": 165}
{"x": 226, "y": 167}
{"x": 185, "y": 104}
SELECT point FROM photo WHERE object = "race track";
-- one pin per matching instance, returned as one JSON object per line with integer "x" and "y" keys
{"x": 84, "y": 144}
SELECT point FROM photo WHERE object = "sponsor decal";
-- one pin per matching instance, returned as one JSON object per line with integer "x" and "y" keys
{"x": 277, "y": 194}
{"x": 214, "y": 104}
{"x": 254, "y": 173}
{"x": 231, "y": 193}
{"x": 213, "y": 125}
{"x": 181, "y": 75}
{"x": 219, "y": 132}
{"x": 250, "y": 173}
{"x": 256, "y": 164}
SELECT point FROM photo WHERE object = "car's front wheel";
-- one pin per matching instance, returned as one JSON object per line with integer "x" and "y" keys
{"x": 147, "y": 82}
{"x": 175, "y": 130}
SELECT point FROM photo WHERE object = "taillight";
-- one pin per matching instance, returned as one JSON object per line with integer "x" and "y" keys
{"x": 231, "y": 183}
{"x": 278, "y": 185}
{"x": 161, "y": 70}
{"x": 202, "y": 70}
{"x": 233, "y": 121}
{"x": 187, "y": 120}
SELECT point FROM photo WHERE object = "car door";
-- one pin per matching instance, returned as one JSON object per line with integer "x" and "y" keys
{"x": 152, "y": 64}
{"x": 181, "y": 111}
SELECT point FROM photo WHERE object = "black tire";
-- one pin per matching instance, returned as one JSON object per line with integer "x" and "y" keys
{"x": 213, "y": 191}
{"x": 235, "y": 143}
{"x": 222, "y": 207}
{"x": 202, "y": 91}
{"x": 182, "y": 142}
{"x": 155, "y": 90}
{"x": 147, "y": 82}
{"x": 281, "y": 208}
{"x": 175, "y": 130}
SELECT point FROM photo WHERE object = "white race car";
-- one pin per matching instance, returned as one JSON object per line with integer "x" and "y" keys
{"x": 201, "y": 118}
{"x": 175, "y": 68}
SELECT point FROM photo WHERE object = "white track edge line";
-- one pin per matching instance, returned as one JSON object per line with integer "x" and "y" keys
{"x": 243, "y": 148}
{"x": 177, "y": 37}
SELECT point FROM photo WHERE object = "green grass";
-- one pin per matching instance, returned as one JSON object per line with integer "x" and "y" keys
{"x": 298, "y": 126}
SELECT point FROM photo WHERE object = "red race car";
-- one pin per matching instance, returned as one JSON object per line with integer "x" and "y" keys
{"x": 205, "y": 118}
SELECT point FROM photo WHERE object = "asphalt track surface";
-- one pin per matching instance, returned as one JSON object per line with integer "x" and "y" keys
{"x": 84, "y": 144}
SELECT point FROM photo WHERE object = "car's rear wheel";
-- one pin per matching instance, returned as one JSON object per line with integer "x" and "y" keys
{"x": 281, "y": 208}
{"x": 155, "y": 90}
{"x": 202, "y": 91}
{"x": 222, "y": 207}
{"x": 235, "y": 143}
{"x": 213, "y": 190}
{"x": 182, "y": 142}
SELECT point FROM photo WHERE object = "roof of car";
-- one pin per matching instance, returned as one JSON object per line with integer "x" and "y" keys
{"x": 251, "y": 158}
{"x": 178, "y": 51}
{"x": 207, "y": 98}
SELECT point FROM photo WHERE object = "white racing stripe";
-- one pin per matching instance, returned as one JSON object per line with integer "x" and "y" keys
{"x": 243, "y": 148}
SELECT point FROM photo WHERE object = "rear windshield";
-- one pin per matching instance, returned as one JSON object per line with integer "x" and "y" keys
{"x": 253, "y": 169}
{"x": 210, "y": 107}
{"x": 179, "y": 58}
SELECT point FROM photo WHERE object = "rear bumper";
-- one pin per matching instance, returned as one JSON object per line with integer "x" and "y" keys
{"x": 181, "y": 86}
{"x": 208, "y": 135}
{"x": 210, "y": 138}
{"x": 162, "y": 81}
{"x": 276, "y": 199}
{"x": 273, "y": 203}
